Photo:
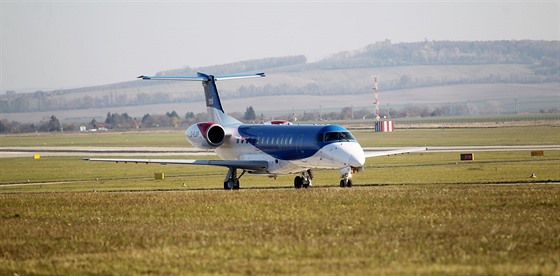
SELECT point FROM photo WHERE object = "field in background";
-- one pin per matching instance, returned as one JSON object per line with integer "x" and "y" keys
{"x": 531, "y": 98}
{"x": 417, "y": 213}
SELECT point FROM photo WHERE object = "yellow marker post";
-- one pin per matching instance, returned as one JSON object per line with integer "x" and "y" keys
{"x": 36, "y": 156}
{"x": 159, "y": 176}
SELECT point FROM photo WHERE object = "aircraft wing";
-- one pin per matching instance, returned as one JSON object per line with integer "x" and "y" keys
{"x": 240, "y": 164}
{"x": 391, "y": 152}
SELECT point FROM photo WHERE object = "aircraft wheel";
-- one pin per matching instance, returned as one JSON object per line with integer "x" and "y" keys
{"x": 226, "y": 185}
{"x": 306, "y": 185}
{"x": 298, "y": 182}
{"x": 342, "y": 184}
{"x": 231, "y": 185}
{"x": 349, "y": 183}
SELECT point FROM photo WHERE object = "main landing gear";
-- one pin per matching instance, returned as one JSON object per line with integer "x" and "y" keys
{"x": 231, "y": 182}
{"x": 304, "y": 180}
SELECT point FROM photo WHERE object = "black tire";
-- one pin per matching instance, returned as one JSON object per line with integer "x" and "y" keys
{"x": 231, "y": 185}
{"x": 342, "y": 185}
{"x": 349, "y": 183}
{"x": 298, "y": 182}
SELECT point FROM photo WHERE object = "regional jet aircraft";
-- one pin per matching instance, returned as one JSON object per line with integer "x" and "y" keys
{"x": 273, "y": 148}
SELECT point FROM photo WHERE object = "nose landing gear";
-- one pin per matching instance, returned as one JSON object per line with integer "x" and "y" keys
{"x": 346, "y": 175}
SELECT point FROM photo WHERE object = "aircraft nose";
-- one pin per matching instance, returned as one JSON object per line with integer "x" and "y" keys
{"x": 350, "y": 154}
{"x": 356, "y": 156}
{"x": 344, "y": 154}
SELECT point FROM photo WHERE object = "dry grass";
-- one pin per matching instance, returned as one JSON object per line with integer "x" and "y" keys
{"x": 452, "y": 229}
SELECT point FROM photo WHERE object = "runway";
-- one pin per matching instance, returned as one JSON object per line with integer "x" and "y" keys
{"x": 100, "y": 151}
{"x": 8, "y": 152}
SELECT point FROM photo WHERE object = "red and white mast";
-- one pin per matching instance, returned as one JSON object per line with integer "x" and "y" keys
{"x": 376, "y": 98}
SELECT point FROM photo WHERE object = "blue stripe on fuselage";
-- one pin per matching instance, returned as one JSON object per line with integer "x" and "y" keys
{"x": 288, "y": 142}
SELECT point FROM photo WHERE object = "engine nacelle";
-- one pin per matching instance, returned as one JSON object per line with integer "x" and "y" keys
{"x": 208, "y": 135}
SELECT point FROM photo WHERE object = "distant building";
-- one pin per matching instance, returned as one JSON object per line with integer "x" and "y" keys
{"x": 99, "y": 126}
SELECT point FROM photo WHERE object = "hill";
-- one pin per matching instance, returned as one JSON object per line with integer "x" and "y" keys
{"x": 433, "y": 69}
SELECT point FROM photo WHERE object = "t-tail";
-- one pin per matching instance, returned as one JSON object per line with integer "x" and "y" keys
{"x": 213, "y": 103}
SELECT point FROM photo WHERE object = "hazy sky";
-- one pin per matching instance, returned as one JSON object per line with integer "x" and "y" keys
{"x": 60, "y": 44}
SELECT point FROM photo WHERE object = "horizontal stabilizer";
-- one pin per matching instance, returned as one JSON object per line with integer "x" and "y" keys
{"x": 202, "y": 77}
{"x": 234, "y": 77}
{"x": 173, "y": 78}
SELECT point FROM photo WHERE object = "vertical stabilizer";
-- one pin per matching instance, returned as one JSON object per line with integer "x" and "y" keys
{"x": 213, "y": 103}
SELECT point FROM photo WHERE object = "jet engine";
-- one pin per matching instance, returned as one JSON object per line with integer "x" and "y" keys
{"x": 207, "y": 135}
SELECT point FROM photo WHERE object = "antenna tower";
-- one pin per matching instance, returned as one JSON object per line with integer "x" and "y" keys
{"x": 376, "y": 98}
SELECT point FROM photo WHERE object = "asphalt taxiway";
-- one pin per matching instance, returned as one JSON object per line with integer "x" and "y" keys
{"x": 99, "y": 151}
{"x": 6, "y": 152}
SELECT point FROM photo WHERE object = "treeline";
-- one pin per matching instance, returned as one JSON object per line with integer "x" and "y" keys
{"x": 543, "y": 54}
{"x": 51, "y": 124}
{"x": 116, "y": 121}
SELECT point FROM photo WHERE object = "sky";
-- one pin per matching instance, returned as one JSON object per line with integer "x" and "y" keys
{"x": 48, "y": 45}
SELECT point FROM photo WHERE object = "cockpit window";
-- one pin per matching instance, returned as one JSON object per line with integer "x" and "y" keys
{"x": 337, "y": 136}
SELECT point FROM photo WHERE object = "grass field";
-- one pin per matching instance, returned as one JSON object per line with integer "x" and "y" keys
{"x": 420, "y": 168}
{"x": 411, "y": 229}
{"x": 422, "y": 213}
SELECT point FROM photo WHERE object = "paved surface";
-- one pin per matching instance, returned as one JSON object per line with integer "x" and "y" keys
{"x": 99, "y": 151}
{"x": 169, "y": 151}
{"x": 494, "y": 148}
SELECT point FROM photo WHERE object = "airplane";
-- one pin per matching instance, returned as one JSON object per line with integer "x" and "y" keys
{"x": 272, "y": 149}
